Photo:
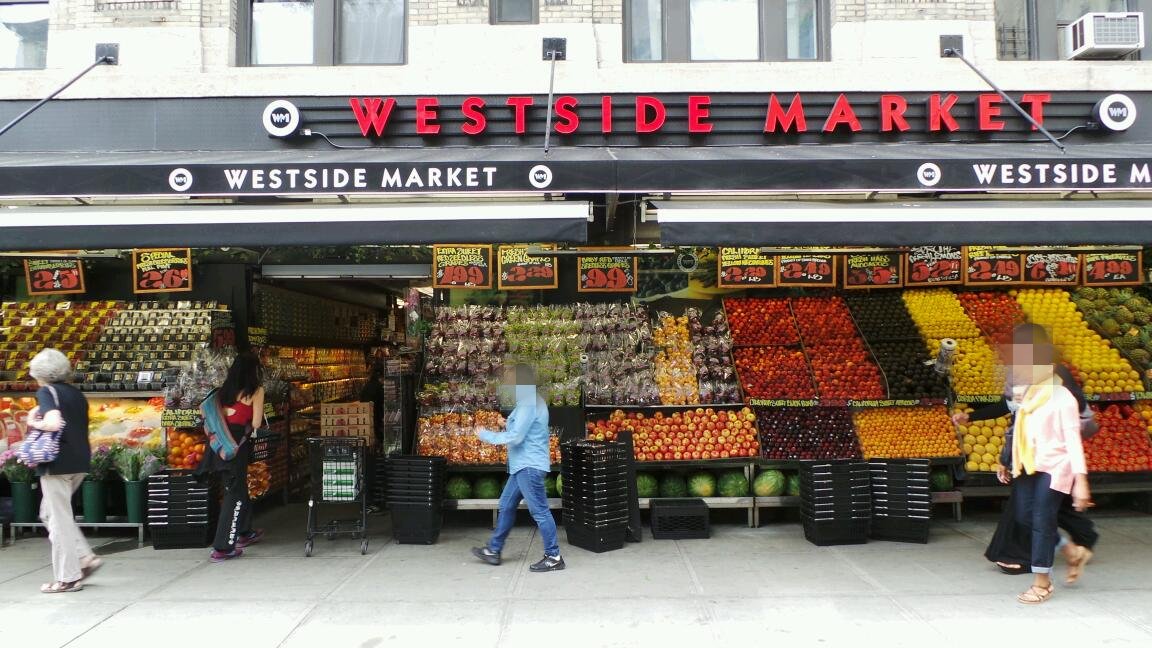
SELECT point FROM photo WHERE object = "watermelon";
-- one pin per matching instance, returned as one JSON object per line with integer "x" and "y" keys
{"x": 793, "y": 489}
{"x": 732, "y": 483}
{"x": 701, "y": 484}
{"x": 486, "y": 488}
{"x": 647, "y": 485}
{"x": 458, "y": 487}
{"x": 941, "y": 479}
{"x": 560, "y": 485}
{"x": 673, "y": 485}
{"x": 550, "y": 485}
{"x": 770, "y": 483}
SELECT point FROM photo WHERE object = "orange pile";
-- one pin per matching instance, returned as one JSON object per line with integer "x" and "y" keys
{"x": 185, "y": 449}
{"x": 906, "y": 433}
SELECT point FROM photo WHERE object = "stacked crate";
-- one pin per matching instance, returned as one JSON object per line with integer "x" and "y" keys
{"x": 347, "y": 420}
{"x": 595, "y": 494}
{"x": 179, "y": 511}
{"x": 901, "y": 500}
{"x": 836, "y": 502}
{"x": 415, "y": 493}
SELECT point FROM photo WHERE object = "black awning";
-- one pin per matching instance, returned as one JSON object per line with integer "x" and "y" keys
{"x": 746, "y": 223}
{"x": 40, "y": 228}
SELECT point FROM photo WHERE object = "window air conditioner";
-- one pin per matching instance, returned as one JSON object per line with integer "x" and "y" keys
{"x": 1104, "y": 36}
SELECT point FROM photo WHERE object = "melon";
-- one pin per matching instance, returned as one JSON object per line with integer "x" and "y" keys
{"x": 770, "y": 483}
{"x": 458, "y": 487}
{"x": 647, "y": 485}
{"x": 941, "y": 479}
{"x": 673, "y": 485}
{"x": 560, "y": 485}
{"x": 732, "y": 483}
{"x": 550, "y": 486}
{"x": 793, "y": 489}
{"x": 702, "y": 484}
{"x": 486, "y": 488}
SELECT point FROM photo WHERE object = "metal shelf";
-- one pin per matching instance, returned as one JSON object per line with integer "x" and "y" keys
{"x": 81, "y": 523}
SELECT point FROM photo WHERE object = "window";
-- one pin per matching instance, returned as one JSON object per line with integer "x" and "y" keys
{"x": 1031, "y": 29}
{"x": 23, "y": 35}
{"x": 327, "y": 32}
{"x": 724, "y": 30}
{"x": 514, "y": 12}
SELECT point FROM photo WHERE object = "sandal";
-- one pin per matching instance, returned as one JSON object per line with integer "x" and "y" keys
{"x": 1076, "y": 566}
{"x": 1013, "y": 570}
{"x": 91, "y": 568}
{"x": 1036, "y": 595}
{"x": 61, "y": 588}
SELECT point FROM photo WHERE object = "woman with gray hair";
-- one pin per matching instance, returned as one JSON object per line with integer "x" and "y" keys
{"x": 62, "y": 408}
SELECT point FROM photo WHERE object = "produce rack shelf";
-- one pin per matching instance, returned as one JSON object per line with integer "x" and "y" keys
{"x": 554, "y": 503}
{"x": 485, "y": 468}
{"x": 657, "y": 408}
{"x": 98, "y": 394}
{"x": 138, "y": 526}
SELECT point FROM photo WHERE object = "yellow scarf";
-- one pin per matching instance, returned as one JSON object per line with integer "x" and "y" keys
{"x": 1023, "y": 454}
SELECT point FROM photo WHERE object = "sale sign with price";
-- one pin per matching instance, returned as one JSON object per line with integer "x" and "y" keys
{"x": 809, "y": 270}
{"x": 54, "y": 276}
{"x": 607, "y": 274}
{"x": 518, "y": 271}
{"x": 1121, "y": 268}
{"x": 161, "y": 271}
{"x": 462, "y": 266}
{"x": 1052, "y": 268}
{"x": 876, "y": 270}
{"x": 745, "y": 267}
{"x": 992, "y": 266}
{"x": 934, "y": 265}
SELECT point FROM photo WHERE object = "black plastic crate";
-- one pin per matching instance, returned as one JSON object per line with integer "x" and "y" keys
{"x": 900, "y": 530}
{"x": 416, "y": 523}
{"x": 179, "y": 536}
{"x": 839, "y": 532}
{"x": 596, "y": 540}
{"x": 680, "y": 519}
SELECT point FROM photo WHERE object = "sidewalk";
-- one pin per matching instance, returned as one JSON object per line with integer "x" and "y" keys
{"x": 767, "y": 586}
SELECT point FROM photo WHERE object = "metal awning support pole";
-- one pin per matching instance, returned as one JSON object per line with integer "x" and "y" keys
{"x": 103, "y": 57}
{"x": 555, "y": 49}
{"x": 954, "y": 52}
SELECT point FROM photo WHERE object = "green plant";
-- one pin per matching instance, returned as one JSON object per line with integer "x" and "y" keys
{"x": 101, "y": 464}
{"x": 135, "y": 463}
{"x": 16, "y": 472}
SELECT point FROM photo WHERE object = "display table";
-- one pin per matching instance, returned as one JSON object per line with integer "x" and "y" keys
{"x": 139, "y": 526}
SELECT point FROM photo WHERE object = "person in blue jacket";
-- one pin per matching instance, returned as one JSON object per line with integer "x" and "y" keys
{"x": 526, "y": 434}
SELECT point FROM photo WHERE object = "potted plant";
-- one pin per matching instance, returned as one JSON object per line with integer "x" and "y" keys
{"x": 22, "y": 479}
{"x": 135, "y": 465}
{"x": 95, "y": 489}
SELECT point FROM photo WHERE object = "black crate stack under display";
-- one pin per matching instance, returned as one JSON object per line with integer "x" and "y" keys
{"x": 415, "y": 494}
{"x": 901, "y": 500}
{"x": 595, "y": 494}
{"x": 181, "y": 511}
{"x": 836, "y": 502}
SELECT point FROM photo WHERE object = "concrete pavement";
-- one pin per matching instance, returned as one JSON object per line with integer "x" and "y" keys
{"x": 766, "y": 585}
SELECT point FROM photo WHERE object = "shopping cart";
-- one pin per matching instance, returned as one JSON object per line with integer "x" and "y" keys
{"x": 337, "y": 467}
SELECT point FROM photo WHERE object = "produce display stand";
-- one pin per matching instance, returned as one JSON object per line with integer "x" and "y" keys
{"x": 138, "y": 526}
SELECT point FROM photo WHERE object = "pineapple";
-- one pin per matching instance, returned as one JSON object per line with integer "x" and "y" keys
{"x": 1123, "y": 315}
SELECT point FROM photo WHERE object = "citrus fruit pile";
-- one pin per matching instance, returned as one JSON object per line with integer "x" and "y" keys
{"x": 675, "y": 371}
{"x": 906, "y": 433}
{"x": 1102, "y": 369}
{"x": 1122, "y": 444}
{"x": 185, "y": 449}
{"x": 1144, "y": 409}
{"x": 983, "y": 441}
{"x": 939, "y": 314}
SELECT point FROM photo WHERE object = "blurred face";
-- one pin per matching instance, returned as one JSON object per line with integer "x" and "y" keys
{"x": 1029, "y": 363}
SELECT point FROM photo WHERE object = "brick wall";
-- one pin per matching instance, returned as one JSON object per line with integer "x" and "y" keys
{"x": 861, "y": 10}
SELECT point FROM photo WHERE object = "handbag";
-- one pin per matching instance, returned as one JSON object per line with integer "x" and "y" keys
{"x": 220, "y": 438}
{"x": 41, "y": 446}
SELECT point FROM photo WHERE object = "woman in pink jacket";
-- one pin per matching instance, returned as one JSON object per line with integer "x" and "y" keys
{"x": 1047, "y": 456}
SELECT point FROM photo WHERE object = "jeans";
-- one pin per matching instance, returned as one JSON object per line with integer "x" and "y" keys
{"x": 527, "y": 484}
{"x": 1037, "y": 507}
{"x": 70, "y": 549}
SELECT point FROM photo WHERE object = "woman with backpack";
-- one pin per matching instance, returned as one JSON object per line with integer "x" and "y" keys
{"x": 237, "y": 404}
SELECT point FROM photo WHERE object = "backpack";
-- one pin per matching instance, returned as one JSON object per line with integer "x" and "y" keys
{"x": 220, "y": 437}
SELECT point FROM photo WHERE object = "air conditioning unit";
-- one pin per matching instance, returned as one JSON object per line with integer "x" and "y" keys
{"x": 1100, "y": 36}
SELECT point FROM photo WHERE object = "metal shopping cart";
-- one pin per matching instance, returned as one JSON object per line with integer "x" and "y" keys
{"x": 337, "y": 466}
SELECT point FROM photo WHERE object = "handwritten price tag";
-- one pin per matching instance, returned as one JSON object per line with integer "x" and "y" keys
{"x": 607, "y": 274}
{"x": 518, "y": 271}
{"x": 462, "y": 266}
{"x": 934, "y": 265}
{"x": 1052, "y": 268}
{"x": 873, "y": 270}
{"x": 1113, "y": 269}
{"x": 987, "y": 266}
{"x": 161, "y": 271}
{"x": 817, "y": 271}
{"x": 745, "y": 267}
{"x": 54, "y": 276}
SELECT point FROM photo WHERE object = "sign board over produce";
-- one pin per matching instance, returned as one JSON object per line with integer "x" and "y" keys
{"x": 518, "y": 271}
{"x": 125, "y": 421}
{"x": 54, "y": 276}
{"x": 161, "y": 270}
{"x": 462, "y": 266}
{"x": 874, "y": 270}
{"x": 745, "y": 267}
{"x": 992, "y": 266}
{"x": 1052, "y": 268}
{"x": 810, "y": 270}
{"x": 606, "y": 274}
{"x": 1113, "y": 268}
{"x": 934, "y": 265}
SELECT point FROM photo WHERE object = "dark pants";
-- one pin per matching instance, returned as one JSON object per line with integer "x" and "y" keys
{"x": 1037, "y": 508}
{"x": 1012, "y": 543}
{"x": 236, "y": 507}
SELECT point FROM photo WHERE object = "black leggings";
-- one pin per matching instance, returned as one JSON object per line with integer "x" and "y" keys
{"x": 235, "y": 508}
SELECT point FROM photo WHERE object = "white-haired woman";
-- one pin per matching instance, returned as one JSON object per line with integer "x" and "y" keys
{"x": 60, "y": 407}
